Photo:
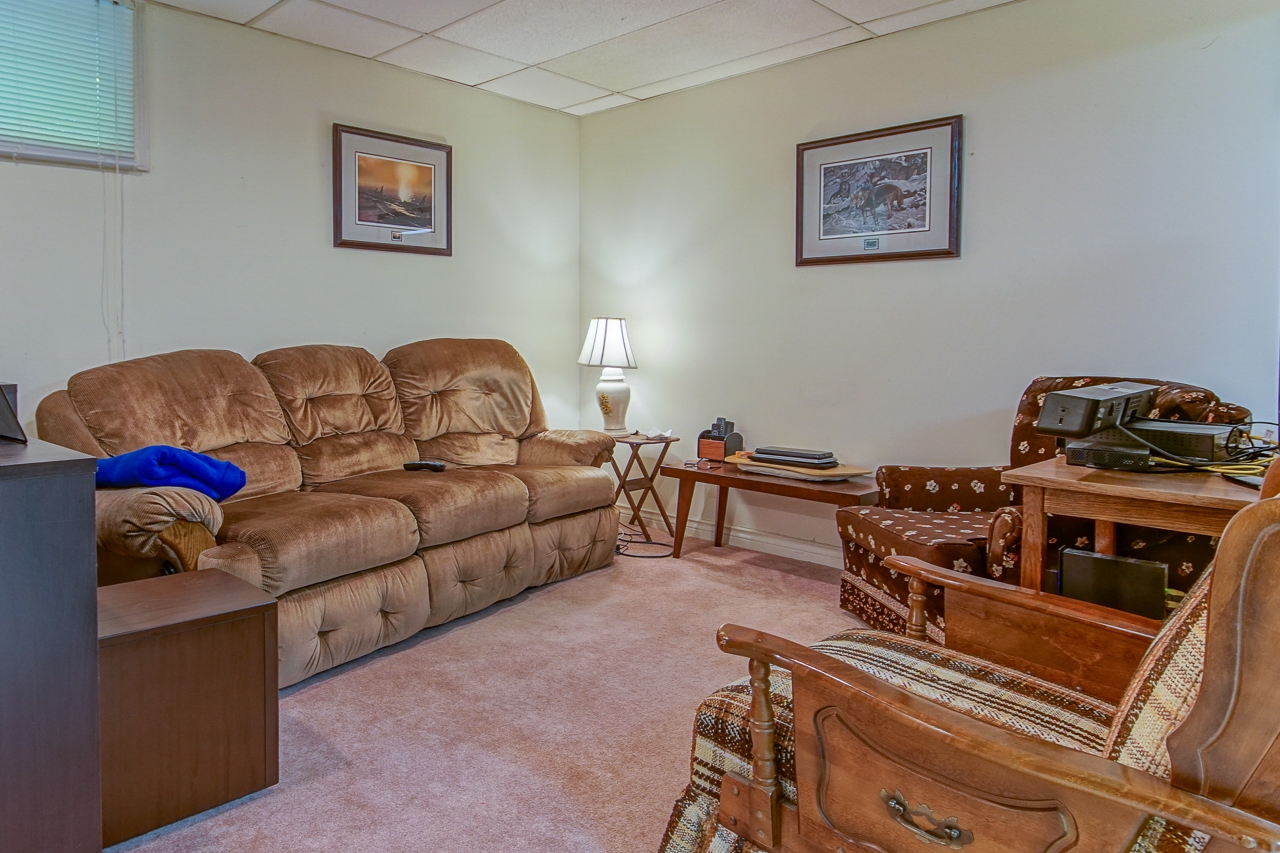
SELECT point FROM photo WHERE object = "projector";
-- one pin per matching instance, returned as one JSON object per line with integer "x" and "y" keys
{"x": 1081, "y": 412}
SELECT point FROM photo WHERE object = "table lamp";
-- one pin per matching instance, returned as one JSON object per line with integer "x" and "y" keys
{"x": 607, "y": 346}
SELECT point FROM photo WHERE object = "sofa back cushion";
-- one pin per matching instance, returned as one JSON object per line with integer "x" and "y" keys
{"x": 341, "y": 408}
{"x": 209, "y": 401}
{"x": 466, "y": 401}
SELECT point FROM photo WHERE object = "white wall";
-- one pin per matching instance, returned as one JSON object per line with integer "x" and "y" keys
{"x": 1119, "y": 216}
{"x": 228, "y": 239}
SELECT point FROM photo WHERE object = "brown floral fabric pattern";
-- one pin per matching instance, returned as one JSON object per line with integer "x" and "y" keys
{"x": 879, "y": 597}
{"x": 956, "y": 540}
{"x": 929, "y": 489}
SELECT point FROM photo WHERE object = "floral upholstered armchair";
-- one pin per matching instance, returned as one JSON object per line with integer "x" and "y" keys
{"x": 966, "y": 520}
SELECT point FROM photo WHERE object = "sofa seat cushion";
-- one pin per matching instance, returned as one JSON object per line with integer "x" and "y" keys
{"x": 556, "y": 490}
{"x": 449, "y": 505}
{"x": 1001, "y": 697}
{"x": 303, "y": 538}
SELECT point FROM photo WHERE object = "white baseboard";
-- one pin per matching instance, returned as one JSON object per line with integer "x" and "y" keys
{"x": 754, "y": 540}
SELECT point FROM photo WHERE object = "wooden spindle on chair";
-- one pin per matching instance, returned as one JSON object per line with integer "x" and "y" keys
{"x": 916, "y": 622}
{"x": 766, "y": 793}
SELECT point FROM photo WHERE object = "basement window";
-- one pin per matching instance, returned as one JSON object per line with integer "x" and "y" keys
{"x": 69, "y": 83}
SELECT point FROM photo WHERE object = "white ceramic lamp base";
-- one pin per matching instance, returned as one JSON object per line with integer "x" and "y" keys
{"x": 613, "y": 396}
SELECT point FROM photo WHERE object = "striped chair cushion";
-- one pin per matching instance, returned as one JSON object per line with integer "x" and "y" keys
{"x": 1164, "y": 687}
{"x": 1002, "y": 697}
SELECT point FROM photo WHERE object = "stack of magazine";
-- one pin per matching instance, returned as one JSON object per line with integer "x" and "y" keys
{"x": 816, "y": 459}
{"x": 795, "y": 463}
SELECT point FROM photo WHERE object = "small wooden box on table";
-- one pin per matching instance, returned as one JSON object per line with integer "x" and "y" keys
{"x": 858, "y": 491}
{"x": 189, "y": 704}
{"x": 1190, "y": 503}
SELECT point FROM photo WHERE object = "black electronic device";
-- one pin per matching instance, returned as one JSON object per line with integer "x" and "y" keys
{"x": 1081, "y": 412}
{"x": 424, "y": 466}
{"x": 796, "y": 453}
{"x": 1245, "y": 480}
{"x": 10, "y": 427}
{"x": 818, "y": 464}
{"x": 1134, "y": 586}
{"x": 1112, "y": 455}
{"x": 721, "y": 428}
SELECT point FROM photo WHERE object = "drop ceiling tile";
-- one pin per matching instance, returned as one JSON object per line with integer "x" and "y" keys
{"x": 808, "y": 47}
{"x": 608, "y": 102}
{"x": 327, "y": 26}
{"x": 544, "y": 88}
{"x": 533, "y": 31}
{"x": 421, "y": 15}
{"x": 441, "y": 58}
{"x": 239, "y": 11}
{"x": 929, "y": 14}
{"x": 729, "y": 30}
{"x": 868, "y": 10}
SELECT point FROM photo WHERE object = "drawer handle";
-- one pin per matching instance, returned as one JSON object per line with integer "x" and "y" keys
{"x": 948, "y": 832}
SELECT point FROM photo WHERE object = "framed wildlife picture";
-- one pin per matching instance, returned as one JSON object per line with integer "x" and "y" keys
{"x": 391, "y": 193}
{"x": 884, "y": 195}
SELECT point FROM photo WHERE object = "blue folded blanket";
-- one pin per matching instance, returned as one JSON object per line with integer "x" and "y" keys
{"x": 161, "y": 465}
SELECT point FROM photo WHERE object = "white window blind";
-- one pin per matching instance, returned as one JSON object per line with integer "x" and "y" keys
{"x": 67, "y": 82}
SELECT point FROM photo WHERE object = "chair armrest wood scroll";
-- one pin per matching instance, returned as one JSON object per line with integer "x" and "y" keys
{"x": 1019, "y": 755}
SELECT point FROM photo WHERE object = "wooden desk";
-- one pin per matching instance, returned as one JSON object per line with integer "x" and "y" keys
{"x": 859, "y": 491}
{"x": 189, "y": 703}
{"x": 1192, "y": 503}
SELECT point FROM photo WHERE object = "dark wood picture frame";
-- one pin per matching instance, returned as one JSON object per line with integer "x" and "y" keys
{"x": 443, "y": 205}
{"x": 951, "y": 204}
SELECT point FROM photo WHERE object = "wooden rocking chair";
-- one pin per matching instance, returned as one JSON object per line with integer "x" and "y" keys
{"x": 880, "y": 767}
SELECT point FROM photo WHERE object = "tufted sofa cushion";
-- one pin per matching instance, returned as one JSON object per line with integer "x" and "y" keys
{"x": 302, "y": 538}
{"x": 341, "y": 408}
{"x": 573, "y": 544}
{"x": 447, "y": 506}
{"x": 556, "y": 490}
{"x": 208, "y": 401}
{"x": 340, "y": 620}
{"x": 470, "y": 575}
{"x": 479, "y": 388}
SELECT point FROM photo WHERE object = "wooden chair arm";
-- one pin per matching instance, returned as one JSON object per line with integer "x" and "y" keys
{"x": 1061, "y": 767}
{"x": 186, "y": 540}
{"x": 1055, "y": 606}
{"x": 1082, "y": 646}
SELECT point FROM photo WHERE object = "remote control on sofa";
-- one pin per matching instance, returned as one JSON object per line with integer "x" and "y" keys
{"x": 424, "y": 466}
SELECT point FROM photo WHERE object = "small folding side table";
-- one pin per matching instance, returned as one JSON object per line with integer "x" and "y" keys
{"x": 644, "y": 483}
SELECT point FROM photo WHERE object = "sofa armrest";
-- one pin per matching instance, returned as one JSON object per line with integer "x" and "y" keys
{"x": 236, "y": 559}
{"x": 1004, "y": 544}
{"x": 931, "y": 488}
{"x": 566, "y": 447}
{"x": 163, "y": 521}
{"x": 1076, "y": 644}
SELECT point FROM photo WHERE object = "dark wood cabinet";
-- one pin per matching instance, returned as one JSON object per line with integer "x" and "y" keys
{"x": 50, "y": 795}
{"x": 189, "y": 700}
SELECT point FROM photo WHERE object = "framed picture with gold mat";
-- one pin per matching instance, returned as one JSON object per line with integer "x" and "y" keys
{"x": 391, "y": 193}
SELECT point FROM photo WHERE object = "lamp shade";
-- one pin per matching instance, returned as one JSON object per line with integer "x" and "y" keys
{"x": 607, "y": 344}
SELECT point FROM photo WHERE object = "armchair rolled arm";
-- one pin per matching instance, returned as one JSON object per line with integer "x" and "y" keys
{"x": 164, "y": 521}
{"x": 566, "y": 447}
{"x": 1022, "y": 757}
{"x": 1004, "y": 544}
{"x": 929, "y": 488}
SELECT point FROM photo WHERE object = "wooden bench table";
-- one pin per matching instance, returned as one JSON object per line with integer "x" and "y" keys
{"x": 858, "y": 491}
{"x": 1191, "y": 503}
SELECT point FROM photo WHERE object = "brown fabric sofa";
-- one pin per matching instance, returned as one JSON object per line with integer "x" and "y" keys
{"x": 965, "y": 519}
{"x": 359, "y": 552}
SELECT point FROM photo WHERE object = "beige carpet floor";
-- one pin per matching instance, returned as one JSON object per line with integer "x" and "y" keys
{"x": 556, "y": 722}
